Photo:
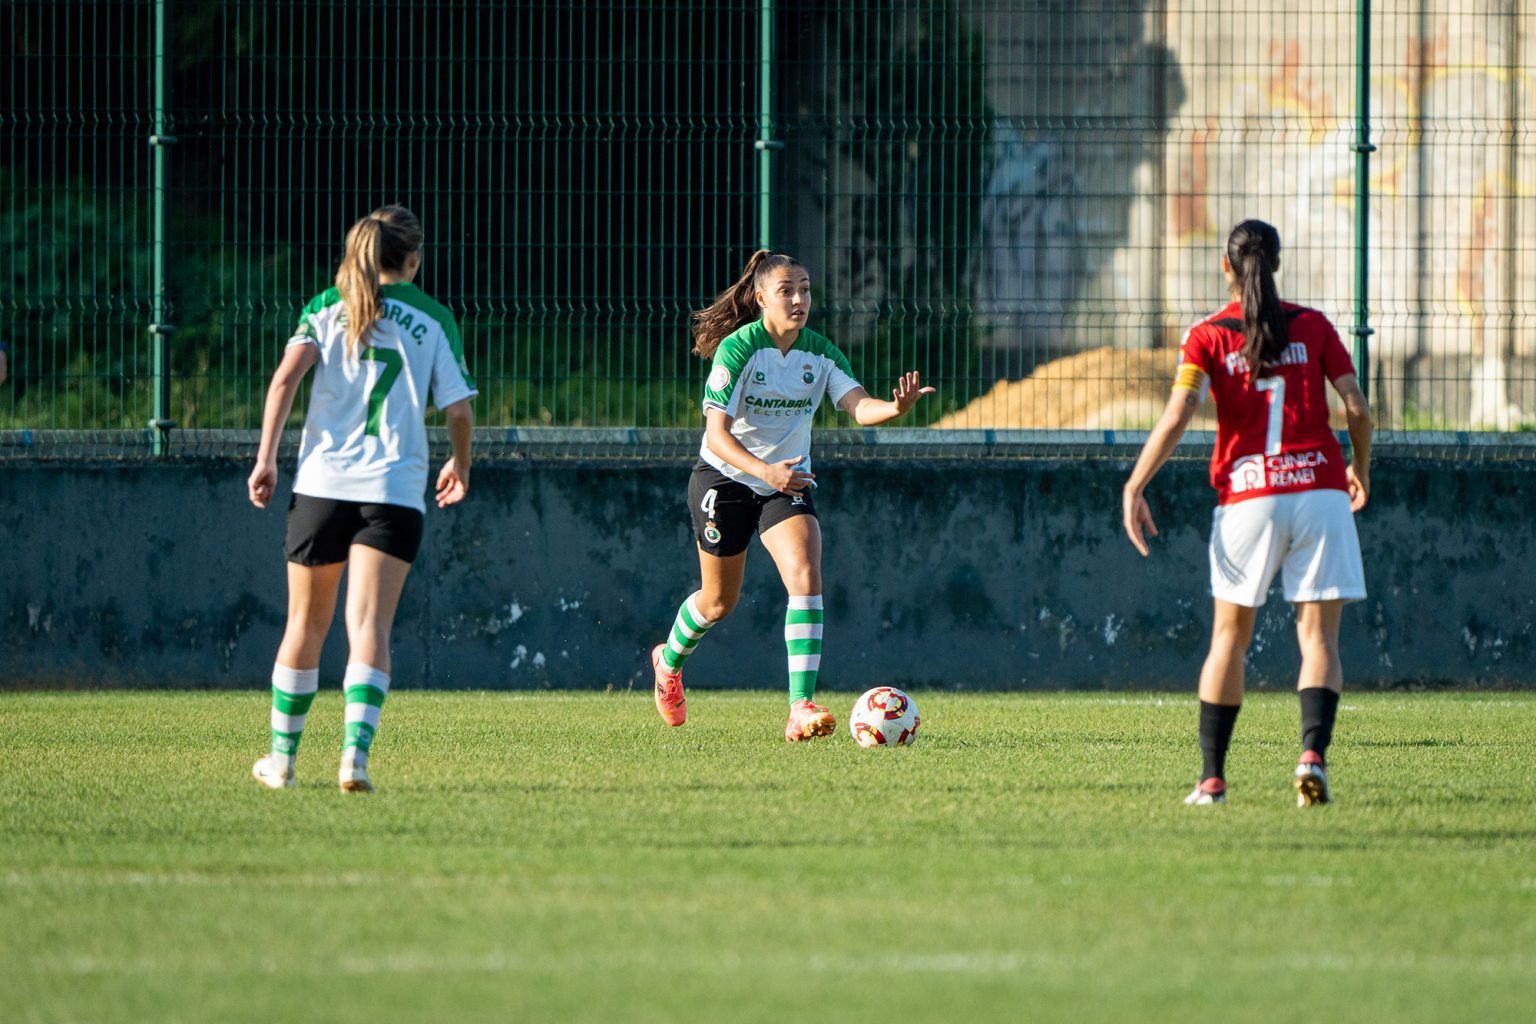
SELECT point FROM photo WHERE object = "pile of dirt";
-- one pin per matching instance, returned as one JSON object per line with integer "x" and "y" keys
{"x": 1102, "y": 389}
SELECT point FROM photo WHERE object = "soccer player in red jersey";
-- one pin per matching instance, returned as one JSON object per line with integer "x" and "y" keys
{"x": 1285, "y": 496}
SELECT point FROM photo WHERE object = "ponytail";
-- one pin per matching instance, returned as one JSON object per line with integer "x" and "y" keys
{"x": 736, "y": 306}
{"x": 1253, "y": 250}
{"x": 377, "y": 244}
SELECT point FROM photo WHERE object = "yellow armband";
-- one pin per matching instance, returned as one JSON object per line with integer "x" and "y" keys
{"x": 1190, "y": 377}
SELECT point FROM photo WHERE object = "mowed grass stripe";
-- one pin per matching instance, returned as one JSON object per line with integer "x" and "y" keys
{"x": 569, "y": 857}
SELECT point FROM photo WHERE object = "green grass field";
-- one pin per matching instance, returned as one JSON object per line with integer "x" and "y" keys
{"x": 566, "y": 857}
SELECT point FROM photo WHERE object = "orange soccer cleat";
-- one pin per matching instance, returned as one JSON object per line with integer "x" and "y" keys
{"x": 670, "y": 702}
{"x": 807, "y": 721}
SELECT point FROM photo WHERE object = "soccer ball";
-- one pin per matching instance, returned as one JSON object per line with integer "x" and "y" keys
{"x": 884, "y": 717}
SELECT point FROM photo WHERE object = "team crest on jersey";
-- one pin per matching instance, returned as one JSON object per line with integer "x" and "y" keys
{"x": 807, "y": 375}
{"x": 719, "y": 377}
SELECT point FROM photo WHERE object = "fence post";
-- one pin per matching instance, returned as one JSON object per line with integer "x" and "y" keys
{"x": 766, "y": 143}
{"x": 160, "y": 425}
{"x": 1363, "y": 150}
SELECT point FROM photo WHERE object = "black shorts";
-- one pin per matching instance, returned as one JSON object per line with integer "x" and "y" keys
{"x": 727, "y": 513}
{"x": 320, "y": 530}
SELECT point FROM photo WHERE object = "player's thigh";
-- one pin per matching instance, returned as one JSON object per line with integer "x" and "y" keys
{"x": 720, "y": 582}
{"x": 793, "y": 539}
{"x": 1317, "y": 624}
{"x": 724, "y": 512}
{"x": 312, "y": 591}
{"x": 1323, "y": 561}
{"x": 374, "y": 584}
{"x": 1248, "y": 543}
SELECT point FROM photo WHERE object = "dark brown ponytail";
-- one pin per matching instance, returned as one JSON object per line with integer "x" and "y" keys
{"x": 1253, "y": 250}
{"x": 376, "y": 244}
{"x": 736, "y": 305}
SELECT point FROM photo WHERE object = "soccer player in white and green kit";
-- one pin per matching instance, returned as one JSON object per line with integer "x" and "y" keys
{"x": 769, "y": 374}
{"x": 378, "y": 346}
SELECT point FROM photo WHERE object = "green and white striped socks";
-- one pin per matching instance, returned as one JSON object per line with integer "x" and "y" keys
{"x": 366, "y": 688}
{"x": 802, "y": 637}
{"x": 687, "y": 630}
{"x": 293, "y": 691}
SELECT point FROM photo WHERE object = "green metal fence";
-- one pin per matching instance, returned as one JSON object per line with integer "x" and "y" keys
{"x": 1025, "y": 200}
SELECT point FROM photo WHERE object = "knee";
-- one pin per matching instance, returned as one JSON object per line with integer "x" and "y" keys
{"x": 310, "y": 622}
{"x": 1230, "y": 639}
{"x": 714, "y": 607}
{"x": 805, "y": 580}
{"x": 1317, "y": 645}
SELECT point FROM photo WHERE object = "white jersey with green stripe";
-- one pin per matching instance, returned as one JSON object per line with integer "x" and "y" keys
{"x": 365, "y": 436}
{"x": 773, "y": 396}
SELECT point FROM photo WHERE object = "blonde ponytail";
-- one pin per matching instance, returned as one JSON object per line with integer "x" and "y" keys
{"x": 377, "y": 244}
{"x": 735, "y": 306}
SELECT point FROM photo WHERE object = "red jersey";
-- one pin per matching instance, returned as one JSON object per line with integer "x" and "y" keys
{"x": 1272, "y": 430}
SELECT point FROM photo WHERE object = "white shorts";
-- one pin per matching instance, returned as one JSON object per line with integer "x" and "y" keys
{"x": 1310, "y": 534}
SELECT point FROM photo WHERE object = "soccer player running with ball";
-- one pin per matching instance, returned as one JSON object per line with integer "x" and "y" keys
{"x": 377, "y": 345}
{"x": 1286, "y": 498}
{"x": 768, "y": 376}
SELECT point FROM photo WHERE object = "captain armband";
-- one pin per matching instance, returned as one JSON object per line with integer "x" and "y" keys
{"x": 1190, "y": 377}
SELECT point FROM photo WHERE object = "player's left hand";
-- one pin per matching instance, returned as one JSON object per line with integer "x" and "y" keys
{"x": 908, "y": 390}
{"x": 452, "y": 484}
{"x": 1137, "y": 514}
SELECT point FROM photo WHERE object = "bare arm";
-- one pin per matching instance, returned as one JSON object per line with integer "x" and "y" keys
{"x": 297, "y": 361}
{"x": 868, "y": 412}
{"x": 781, "y": 476}
{"x": 1358, "y": 472}
{"x": 453, "y": 480}
{"x": 1160, "y": 445}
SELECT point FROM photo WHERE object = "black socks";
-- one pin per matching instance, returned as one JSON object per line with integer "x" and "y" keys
{"x": 1216, "y": 722}
{"x": 1319, "y": 707}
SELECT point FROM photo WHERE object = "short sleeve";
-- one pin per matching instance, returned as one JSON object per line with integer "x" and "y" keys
{"x": 451, "y": 381}
{"x": 1336, "y": 360}
{"x": 722, "y": 389}
{"x": 1195, "y": 350}
{"x": 304, "y": 333}
{"x": 840, "y": 378}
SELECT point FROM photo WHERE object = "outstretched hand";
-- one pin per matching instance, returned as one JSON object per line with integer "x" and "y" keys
{"x": 1137, "y": 515}
{"x": 908, "y": 390}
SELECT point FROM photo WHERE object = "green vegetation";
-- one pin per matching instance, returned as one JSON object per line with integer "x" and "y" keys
{"x": 546, "y": 857}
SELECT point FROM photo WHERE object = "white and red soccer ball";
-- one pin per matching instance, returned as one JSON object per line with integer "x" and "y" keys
{"x": 884, "y": 717}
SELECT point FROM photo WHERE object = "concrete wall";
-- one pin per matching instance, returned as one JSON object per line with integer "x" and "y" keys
{"x": 963, "y": 574}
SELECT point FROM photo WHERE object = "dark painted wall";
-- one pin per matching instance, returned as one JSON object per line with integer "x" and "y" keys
{"x": 1001, "y": 574}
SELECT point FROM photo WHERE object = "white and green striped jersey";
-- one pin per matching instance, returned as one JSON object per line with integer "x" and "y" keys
{"x": 365, "y": 436}
{"x": 772, "y": 396}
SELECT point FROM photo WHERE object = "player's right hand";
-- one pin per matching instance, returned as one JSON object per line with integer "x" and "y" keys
{"x": 1137, "y": 514}
{"x": 785, "y": 478}
{"x": 261, "y": 484}
{"x": 1359, "y": 483}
